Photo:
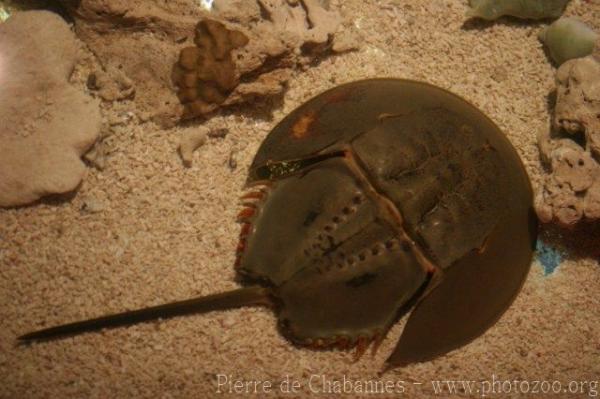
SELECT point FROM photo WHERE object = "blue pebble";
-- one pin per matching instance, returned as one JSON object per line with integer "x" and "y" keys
{"x": 548, "y": 256}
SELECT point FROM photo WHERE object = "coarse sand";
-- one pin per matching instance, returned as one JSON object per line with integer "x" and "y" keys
{"x": 147, "y": 230}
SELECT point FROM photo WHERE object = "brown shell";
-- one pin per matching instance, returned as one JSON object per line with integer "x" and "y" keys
{"x": 382, "y": 193}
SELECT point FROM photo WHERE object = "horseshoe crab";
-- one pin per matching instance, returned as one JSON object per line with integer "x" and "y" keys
{"x": 374, "y": 198}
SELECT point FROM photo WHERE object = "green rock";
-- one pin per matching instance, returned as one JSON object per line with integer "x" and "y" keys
{"x": 526, "y": 9}
{"x": 568, "y": 38}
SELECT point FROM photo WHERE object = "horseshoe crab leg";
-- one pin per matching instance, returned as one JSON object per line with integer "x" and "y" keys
{"x": 253, "y": 295}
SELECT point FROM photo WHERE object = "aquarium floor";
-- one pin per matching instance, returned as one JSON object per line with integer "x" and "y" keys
{"x": 146, "y": 230}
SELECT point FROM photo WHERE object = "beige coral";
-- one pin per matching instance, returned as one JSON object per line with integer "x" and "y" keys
{"x": 47, "y": 124}
{"x": 139, "y": 41}
{"x": 284, "y": 35}
{"x": 571, "y": 191}
{"x": 578, "y": 99}
{"x": 136, "y": 43}
{"x": 564, "y": 197}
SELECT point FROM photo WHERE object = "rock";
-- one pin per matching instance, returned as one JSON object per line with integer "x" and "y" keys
{"x": 97, "y": 156}
{"x": 346, "y": 40}
{"x": 92, "y": 205}
{"x": 568, "y": 38}
{"x": 232, "y": 160}
{"x": 227, "y": 321}
{"x": 112, "y": 84}
{"x": 189, "y": 142}
{"x": 47, "y": 124}
{"x": 526, "y": 9}
{"x": 219, "y": 133}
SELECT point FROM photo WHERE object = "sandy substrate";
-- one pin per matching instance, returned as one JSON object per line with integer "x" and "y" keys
{"x": 146, "y": 230}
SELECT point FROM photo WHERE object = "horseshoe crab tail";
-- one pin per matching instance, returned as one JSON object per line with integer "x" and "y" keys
{"x": 253, "y": 295}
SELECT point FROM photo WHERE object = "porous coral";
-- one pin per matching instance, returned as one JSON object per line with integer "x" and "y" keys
{"x": 571, "y": 191}
{"x": 205, "y": 73}
{"x": 283, "y": 35}
{"x": 47, "y": 124}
